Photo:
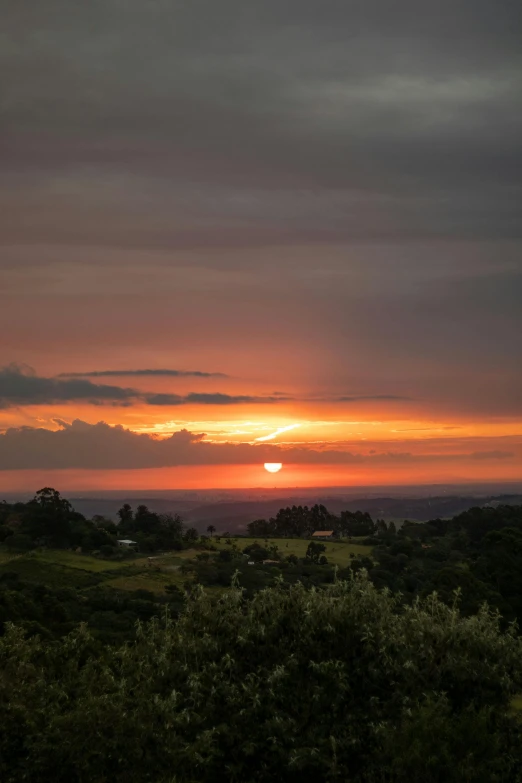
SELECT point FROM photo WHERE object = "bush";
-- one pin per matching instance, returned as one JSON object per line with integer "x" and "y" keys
{"x": 19, "y": 542}
{"x": 108, "y": 551}
{"x": 344, "y": 683}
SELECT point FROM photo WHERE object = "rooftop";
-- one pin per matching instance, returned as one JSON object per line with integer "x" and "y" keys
{"x": 323, "y": 533}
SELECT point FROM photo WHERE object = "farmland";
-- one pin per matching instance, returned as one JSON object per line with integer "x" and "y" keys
{"x": 337, "y": 553}
{"x": 58, "y": 568}
{"x": 61, "y": 568}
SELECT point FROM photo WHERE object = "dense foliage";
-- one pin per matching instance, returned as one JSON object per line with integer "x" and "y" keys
{"x": 270, "y": 564}
{"x": 303, "y": 521}
{"x": 50, "y": 520}
{"x": 478, "y": 552}
{"x": 343, "y": 683}
{"x": 52, "y": 612}
{"x": 152, "y": 531}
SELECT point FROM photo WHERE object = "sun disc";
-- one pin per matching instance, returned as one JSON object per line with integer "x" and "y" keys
{"x": 273, "y": 467}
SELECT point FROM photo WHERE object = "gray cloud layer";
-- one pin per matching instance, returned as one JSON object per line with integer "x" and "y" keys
{"x": 334, "y": 183}
{"x": 20, "y": 386}
{"x": 143, "y": 374}
{"x": 99, "y": 446}
{"x": 368, "y": 121}
{"x": 375, "y": 397}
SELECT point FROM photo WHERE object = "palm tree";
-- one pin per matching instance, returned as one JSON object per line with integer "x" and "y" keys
{"x": 211, "y": 529}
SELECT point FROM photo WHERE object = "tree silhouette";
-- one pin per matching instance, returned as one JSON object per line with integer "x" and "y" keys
{"x": 211, "y": 529}
{"x": 314, "y": 551}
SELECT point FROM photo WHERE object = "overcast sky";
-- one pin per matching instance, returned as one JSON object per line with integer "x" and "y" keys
{"x": 306, "y": 205}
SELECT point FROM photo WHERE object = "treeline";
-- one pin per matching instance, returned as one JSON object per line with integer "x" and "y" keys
{"x": 302, "y": 521}
{"x": 49, "y": 520}
{"x": 154, "y": 532}
{"x": 343, "y": 683}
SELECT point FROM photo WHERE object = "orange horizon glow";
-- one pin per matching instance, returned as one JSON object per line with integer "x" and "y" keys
{"x": 440, "y": 446}
{"x": 250, "y": 477}
{"x": 437, "y": 447}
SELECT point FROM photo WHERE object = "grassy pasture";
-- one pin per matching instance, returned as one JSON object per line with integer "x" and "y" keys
{"x": 6, "y": 556}
{"x": 48, "y": 573}
{"x": 60, "y": 568}
{"x": 337, "y": 554}
{"x": 154, "y": 581}
{"x": 81, "y": 562}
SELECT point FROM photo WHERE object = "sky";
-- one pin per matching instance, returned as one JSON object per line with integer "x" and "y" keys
{"x": 242, "y": 232}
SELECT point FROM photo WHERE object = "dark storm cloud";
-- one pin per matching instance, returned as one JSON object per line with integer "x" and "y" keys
{"x": 143, "y": 373}
{"x": 99, "y": 446}
{"x": 369, "y": 119}
{"x": 20, "y": 386}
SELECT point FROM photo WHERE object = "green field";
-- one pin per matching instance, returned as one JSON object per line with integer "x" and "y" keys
{"x": 337, "y": 554}
{"x": 153, "y": 581}
{"x": 81, "y": 562}
{"x": 7, "y": 556}
{"x": 60, "y": 568}
{"x": 46, "y": 572}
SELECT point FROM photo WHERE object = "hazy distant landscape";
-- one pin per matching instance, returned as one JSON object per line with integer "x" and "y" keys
{"x": 232, "y": 510}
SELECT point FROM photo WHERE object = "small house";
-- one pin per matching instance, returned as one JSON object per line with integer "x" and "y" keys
{"x": 126, "y": 542}
{"x": 324, "y": 534}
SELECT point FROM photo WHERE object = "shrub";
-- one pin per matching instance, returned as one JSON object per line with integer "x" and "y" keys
{"x": 344, "y": 683}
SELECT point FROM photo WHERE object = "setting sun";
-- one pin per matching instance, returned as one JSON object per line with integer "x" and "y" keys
{"x": 273, "y": 467}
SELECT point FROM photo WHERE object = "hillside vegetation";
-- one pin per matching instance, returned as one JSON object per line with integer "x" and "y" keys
{"x": 259, "y": 658}
{"x": 342, "y": 683}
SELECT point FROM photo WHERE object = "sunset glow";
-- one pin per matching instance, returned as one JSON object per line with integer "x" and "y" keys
{"x": 315, "y": 267}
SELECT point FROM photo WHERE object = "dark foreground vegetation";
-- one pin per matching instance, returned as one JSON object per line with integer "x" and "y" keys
{"x": 391, "y": 656}
{"x": 344, "y": 683}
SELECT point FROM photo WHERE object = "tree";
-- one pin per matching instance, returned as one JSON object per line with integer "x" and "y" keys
{"x": 191, "y": 534}
{"x": 211, "y": 529}
{"x": 256, "y": 552}
{"x": 48, "y": 517}
{"x": 314, "y": 551}
{"x": 356, "y": 523}
{"x": 290, "y": 685}
{"x": 51, "y": 498}
{"x": 126, "y": 515}
{"x": 382, "y": 527}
